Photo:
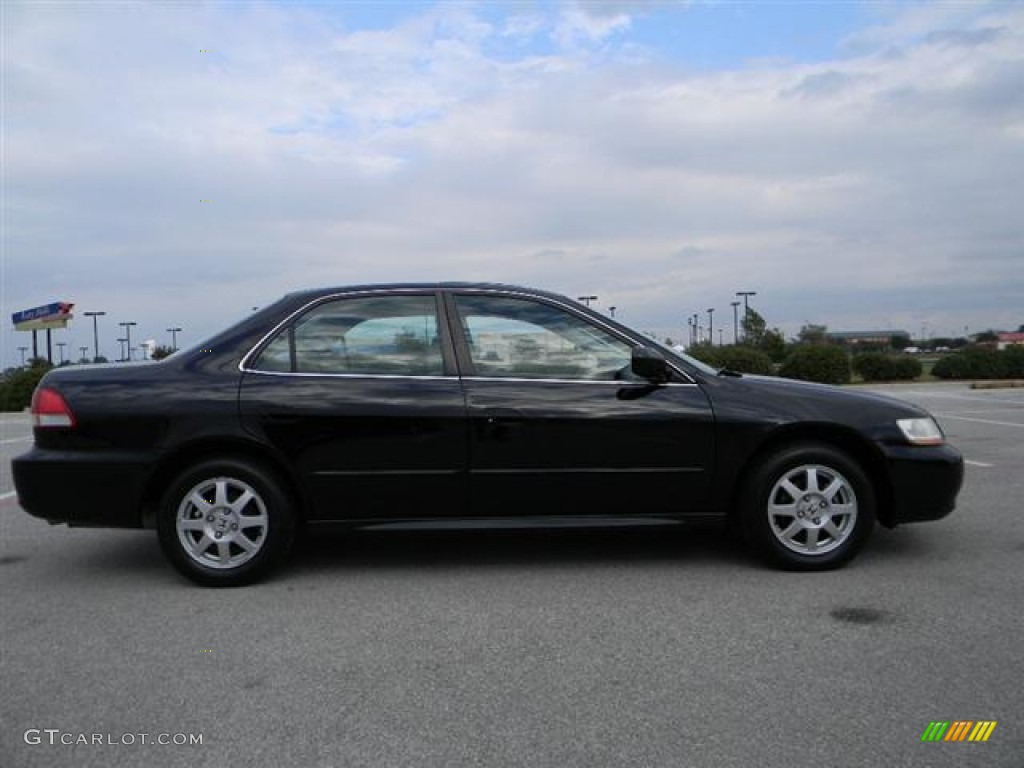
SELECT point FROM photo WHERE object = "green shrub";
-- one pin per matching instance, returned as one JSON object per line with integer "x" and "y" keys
{"x": 17, "y": 386}
{"x": 826, "y": 365}
{"x": 737, "y": 358}
{"x": 706, "y": 354}
{"x": 970, "y": 363}
{"x": 906, "y": 368}
{"x": 875, "y": 366}
{"x": 1013, "y": 362}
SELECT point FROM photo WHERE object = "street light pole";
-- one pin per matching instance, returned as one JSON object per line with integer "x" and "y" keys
{"x": 84, "y": 350}
{"x": 587, "y": 299}
{"x": 611, "y": 311}
{"x": 95, "y": 333}
{"x": 60, "y": 346}
{"x": 121, "y": 342}
{"x": 746, "y": 308}
{"x": 23, "y": 350}
{"x": 175, "y": 331}
{"x": 128, "y": 336}
{"x": 735, "y": 322}
{"x": 711, "y": 328}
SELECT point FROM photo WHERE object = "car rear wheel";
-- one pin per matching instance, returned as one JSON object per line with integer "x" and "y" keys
{"x": 225, "y": 522}
{"x": 807, "y": 506}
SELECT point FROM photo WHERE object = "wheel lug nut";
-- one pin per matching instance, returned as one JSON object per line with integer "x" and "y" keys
{"x": 217, "y": 535}
{"x": 209, "y": 518}
{"x": 817, "y": 520}
{"x": 234, "y": 526}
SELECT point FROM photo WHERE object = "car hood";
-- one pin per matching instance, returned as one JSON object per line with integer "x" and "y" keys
{"x": 781, "y": 400}
{"x": 829, "y": 392}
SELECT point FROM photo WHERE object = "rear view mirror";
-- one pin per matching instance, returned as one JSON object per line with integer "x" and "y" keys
{"x": 648, "y": 364}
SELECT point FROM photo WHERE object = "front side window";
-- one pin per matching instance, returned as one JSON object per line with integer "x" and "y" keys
{"x": 391, "y": 335}
{"x": 521, "y": 338}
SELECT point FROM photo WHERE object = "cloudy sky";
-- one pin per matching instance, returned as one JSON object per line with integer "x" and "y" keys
{"x": 175, "y": 164}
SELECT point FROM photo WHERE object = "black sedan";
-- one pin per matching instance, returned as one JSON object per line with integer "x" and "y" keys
{"x": 465, "y": 405}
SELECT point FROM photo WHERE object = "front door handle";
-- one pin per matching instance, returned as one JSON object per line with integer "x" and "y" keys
{"x": 503, "y": 415}
{"x": 500, "y": 423}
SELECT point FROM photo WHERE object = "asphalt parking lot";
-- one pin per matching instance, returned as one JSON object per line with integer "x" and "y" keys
{"x": 530, "y": 648}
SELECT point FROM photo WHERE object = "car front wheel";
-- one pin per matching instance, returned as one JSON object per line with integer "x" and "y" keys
{"x": 807, "y": 506}
{"x": 225, "y": 523}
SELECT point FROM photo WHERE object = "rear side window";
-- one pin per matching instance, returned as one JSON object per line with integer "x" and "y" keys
{"x": 388, "y": 335}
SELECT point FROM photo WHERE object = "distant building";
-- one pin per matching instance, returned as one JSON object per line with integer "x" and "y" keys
{"x": 1005, "y": 340}
{"x": 868, "y": 338}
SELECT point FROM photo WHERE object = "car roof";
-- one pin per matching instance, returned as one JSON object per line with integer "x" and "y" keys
{"x": 432, "y": 286}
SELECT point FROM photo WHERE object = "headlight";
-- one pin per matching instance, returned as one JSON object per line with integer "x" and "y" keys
{"x": 921, "y": 431}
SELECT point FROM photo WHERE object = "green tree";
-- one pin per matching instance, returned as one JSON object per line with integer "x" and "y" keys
{"x": 899, "y": 341}
{"x": 740, "y": 358}
{"x": 824, "y": 364}
{"x": 161, "y": 351}
{"x": 753, "y": 327}
{"x": 773, "y": 344}
{"x": 815, "y": 335}
{"x": 877, "y": 366}
{"x": 17, "y": 387}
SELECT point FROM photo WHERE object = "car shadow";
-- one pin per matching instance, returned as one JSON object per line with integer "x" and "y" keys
{"x": 532, "y": 547}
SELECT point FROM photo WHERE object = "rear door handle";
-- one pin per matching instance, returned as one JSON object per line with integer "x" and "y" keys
{"x": 282, "y": 418}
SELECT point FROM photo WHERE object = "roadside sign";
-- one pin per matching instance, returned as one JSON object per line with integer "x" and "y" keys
{"x": 54, "y": 315}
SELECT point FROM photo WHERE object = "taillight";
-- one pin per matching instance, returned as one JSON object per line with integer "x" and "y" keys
{"x": 50, "y": 409}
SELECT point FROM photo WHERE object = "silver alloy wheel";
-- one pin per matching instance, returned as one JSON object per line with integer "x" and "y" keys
{"x": 222, "y": 523}
{"x": 812, "y": 509}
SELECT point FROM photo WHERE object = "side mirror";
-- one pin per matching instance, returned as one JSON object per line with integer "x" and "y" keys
{"x": 648, "y": 364}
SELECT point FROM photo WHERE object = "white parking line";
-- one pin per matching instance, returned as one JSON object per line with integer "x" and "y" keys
{"x": 978, "y": 398}
{"x": 977, "y": 463}
{"x": 8, "y": 495}
{"x": 980, "y": 421}
{"x": 16, "y": 439}
{"x": 988, "y": 411}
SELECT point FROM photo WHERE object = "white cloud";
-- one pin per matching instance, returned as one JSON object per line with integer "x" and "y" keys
{"x": 582, "y": 25}
{"x": 876, "y": 186}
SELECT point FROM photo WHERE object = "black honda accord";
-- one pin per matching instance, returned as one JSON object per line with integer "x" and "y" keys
{"x": 465, "y": 405}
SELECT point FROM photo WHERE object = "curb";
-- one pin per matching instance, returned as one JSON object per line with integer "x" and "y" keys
{"x": 1003, "y": 384}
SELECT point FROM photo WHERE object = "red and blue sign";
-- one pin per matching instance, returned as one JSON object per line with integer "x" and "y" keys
{"x": 55, "y": 315}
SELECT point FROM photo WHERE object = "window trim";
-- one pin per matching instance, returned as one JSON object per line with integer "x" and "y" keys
{"x": 457, "y": 363}
{"x": 447, "y": 355}
{"x": 464, "y": 358}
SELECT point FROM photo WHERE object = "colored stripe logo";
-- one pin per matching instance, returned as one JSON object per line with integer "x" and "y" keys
{"x": 958, "y": 730}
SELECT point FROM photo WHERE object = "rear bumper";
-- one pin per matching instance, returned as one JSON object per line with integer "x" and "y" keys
{"x": 80, "y": 488}
{"x": 925, "y": 481}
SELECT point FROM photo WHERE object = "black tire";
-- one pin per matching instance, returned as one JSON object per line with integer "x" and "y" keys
{"x": 226, "y": 522}
{"x": 807, "y": 507}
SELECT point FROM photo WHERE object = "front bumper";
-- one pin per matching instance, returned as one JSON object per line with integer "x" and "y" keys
{"x": 924, "y": 480}
{"x": 79, "y": 488}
